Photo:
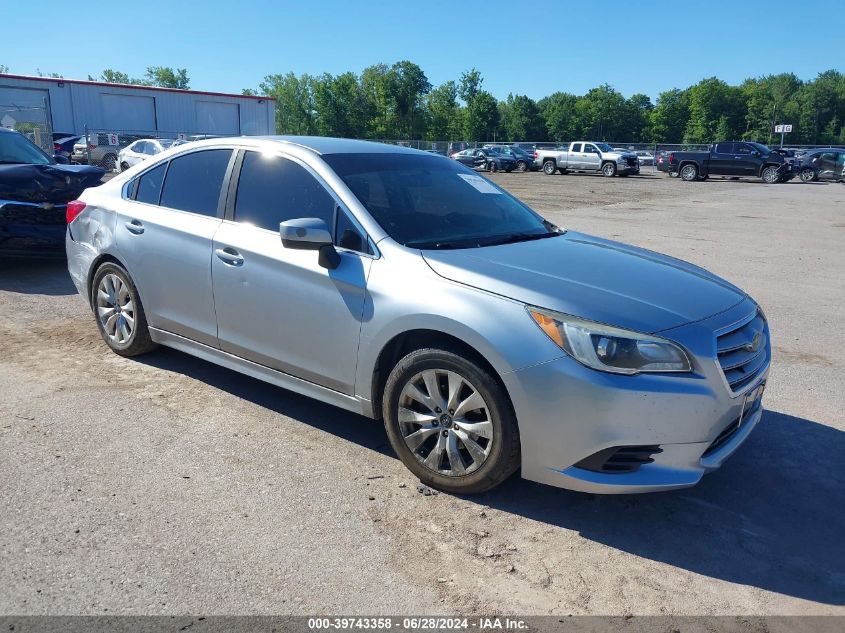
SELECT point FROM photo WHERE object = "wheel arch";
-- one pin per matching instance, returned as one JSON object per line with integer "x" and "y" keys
{"x": 101, "y": 259}
{"x": 403, "y": 343}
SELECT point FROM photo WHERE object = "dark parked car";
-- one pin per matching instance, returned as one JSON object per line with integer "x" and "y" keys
{"x": 823, "y": 164}
{"x": 63, "y": 145}
{"x": 486, "y": 159}
{"x": 661, "y": 159}
{"x": 732, "y": 158}
{"x": 34, "y": 192}
{"x": 524, "y": 160}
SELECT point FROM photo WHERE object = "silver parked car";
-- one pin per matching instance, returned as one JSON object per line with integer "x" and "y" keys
{"x": 404, "y": 286}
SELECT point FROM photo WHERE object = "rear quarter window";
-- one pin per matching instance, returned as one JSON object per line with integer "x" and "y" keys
{"x": 149, "y": 185}
{"x": 194, "y": 180}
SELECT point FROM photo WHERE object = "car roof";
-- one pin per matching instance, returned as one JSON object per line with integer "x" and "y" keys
{"x": 329, "y": 145}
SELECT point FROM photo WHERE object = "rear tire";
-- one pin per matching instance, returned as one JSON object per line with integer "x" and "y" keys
{"x": 521, "y": 166}
{"x": 689, "y": 172}
{"x": 549, "y": 168}
{"x": 124, "y": 166}
{"x": 118, "y": 311}
{"x": 469, "y": 451}
{"x": 608, "y": 170}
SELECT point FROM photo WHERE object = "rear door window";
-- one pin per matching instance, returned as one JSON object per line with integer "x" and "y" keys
{"x": 194, "y": 180}
{"x": 149, "y": 185}
{"x": 725, "y": 148}
{"x": 273, "y": 189}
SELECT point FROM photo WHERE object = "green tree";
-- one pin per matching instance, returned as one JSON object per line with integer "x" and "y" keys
{"x": 443, "y": 113}
{"x": 166, "y": 77}
{"x": 470, "y": 84}
{"x": 340, "y": 106}
{"x": 558, "y": 113}
{"x": 670, "y": 116}
{"x": 295, "y": 107}
{"x": 53, "y": 75}
{"x": 377, "y": 98}
{"x": 3, "y": 69}
{"x": 520, "y": 119}
{"x": 635, "y": 126}
{"x": 600, "y": 113}
{"x": 407, "y": 86}
{"x": 717, "y": 112}
{"x": 481, "y": 117}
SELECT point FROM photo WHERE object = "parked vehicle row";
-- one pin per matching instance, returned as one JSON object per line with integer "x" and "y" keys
{"x": 143, "y": 149}
{"x": 485, "y": 159}
{"x": 588, "y": 156}
{"x": 408, "y": 288}
{"x": 822, "y": 164}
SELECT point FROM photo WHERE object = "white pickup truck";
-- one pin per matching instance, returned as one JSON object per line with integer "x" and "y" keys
{"x": 587, "y": 156}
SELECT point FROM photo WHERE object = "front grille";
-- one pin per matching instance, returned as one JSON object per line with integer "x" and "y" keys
{"x": 29, "y": 213}
{"x": 632, "y": 162}
{"x": 743, "y": 352}
{"x": 619, "y": 459}
{"x": 730, "y": 430}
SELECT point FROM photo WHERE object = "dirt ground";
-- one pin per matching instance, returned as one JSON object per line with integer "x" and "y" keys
{"x": 167, "y": 485}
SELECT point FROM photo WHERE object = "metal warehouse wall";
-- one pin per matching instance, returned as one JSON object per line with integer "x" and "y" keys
{"x": 74, "y": 105}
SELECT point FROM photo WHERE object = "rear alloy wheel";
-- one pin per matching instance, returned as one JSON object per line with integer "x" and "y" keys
{"x": 450, "y": 422}
{"x": 120, "y": 315}
{"x": 124, "y": 166}
{"x": 770, "y": 175}
{"x": 807, "y": 175}
{"x": 521, "y": 165}
{"x": 549, "y": 168}
{"x": 609, "y": 169}
{"x": 689, "y": 172}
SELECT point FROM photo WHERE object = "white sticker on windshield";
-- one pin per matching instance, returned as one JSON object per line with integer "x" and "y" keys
{"x": 479, "y": 183}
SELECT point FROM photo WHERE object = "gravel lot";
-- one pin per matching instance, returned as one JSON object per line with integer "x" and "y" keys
{"x": 167, "y": 485}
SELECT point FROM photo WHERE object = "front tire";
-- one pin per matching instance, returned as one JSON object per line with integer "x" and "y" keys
{"x": 549, "y": 168}
{"x": 109, "y": 162}
{"x": 770, "y": 175}
{"x": 119, "y": 312}
{"x": 807, "y": 175}
{"x": 450, "y": 422}
{"x": 689, "y": 172}
{"x": 608, "y": 169}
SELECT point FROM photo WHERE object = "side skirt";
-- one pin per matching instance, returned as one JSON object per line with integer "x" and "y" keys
{"x": 280, "y": 379}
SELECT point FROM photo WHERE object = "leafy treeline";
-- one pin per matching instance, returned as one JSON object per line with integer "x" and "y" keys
{"x": 398, "y": 102}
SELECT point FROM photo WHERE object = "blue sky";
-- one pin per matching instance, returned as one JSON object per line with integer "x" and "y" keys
{"x": 520, "y": 46}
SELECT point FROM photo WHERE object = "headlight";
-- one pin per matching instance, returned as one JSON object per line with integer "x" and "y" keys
{"x": 611, "y": 349}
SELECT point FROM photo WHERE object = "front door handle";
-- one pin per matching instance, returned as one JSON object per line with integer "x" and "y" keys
{"x": 229, "y": 255}
{"x": 135, "y": 227}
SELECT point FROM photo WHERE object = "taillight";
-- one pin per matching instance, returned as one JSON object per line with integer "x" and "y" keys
{"x": 74, "y": 208}
{"x": 672, "y": 157}
{"x": 57, "y": 147}
{"x": 535, "y": 154}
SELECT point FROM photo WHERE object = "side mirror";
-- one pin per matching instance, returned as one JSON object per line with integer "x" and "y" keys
{"x": 310, "y": 234}
{"x": 61, "y": 159}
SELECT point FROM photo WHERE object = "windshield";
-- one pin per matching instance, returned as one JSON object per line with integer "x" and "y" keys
{"x": 14, "y": 149}
{"x": 765, "y": 151}
{"x": 426, "y": 201}
{"x": 604, "y": 147}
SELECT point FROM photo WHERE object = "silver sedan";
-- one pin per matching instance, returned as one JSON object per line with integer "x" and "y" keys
{"x": 406, "y": 287}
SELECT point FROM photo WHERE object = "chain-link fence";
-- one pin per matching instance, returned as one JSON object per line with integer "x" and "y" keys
{"x": 32, "y": 119}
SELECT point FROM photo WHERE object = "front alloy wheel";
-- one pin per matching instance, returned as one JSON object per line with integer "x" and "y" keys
{"x": 807, "y": 175}
{"x": 450, "y": 421}
{"x": 770, "y": 175}
{"x": 609, "y": 169}
{"x": 445, "y": 422}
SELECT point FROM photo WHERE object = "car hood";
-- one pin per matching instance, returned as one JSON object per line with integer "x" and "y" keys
{"x": 593, "y": 278}
{"x": 47, "y": 183}
{"x": 618, "y": 155}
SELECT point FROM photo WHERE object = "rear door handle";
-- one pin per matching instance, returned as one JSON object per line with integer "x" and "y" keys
{"x": 135, "y": 226}
{"x": 229, "y": 255}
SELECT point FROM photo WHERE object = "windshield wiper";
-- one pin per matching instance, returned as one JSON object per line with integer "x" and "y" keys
{"x": 518, "y": 237}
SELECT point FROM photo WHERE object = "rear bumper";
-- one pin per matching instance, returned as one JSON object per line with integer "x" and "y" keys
{"x": 31, "y": 229}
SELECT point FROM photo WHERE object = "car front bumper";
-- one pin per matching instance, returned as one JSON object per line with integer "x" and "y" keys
{"x": 627, "y": 170}
{"x": 569, "y": 413}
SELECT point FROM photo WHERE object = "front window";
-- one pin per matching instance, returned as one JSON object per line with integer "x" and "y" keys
{"x": 15, "y": 149}
{"x": 427, "y": 202}
{"x": 764, "y": 151}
